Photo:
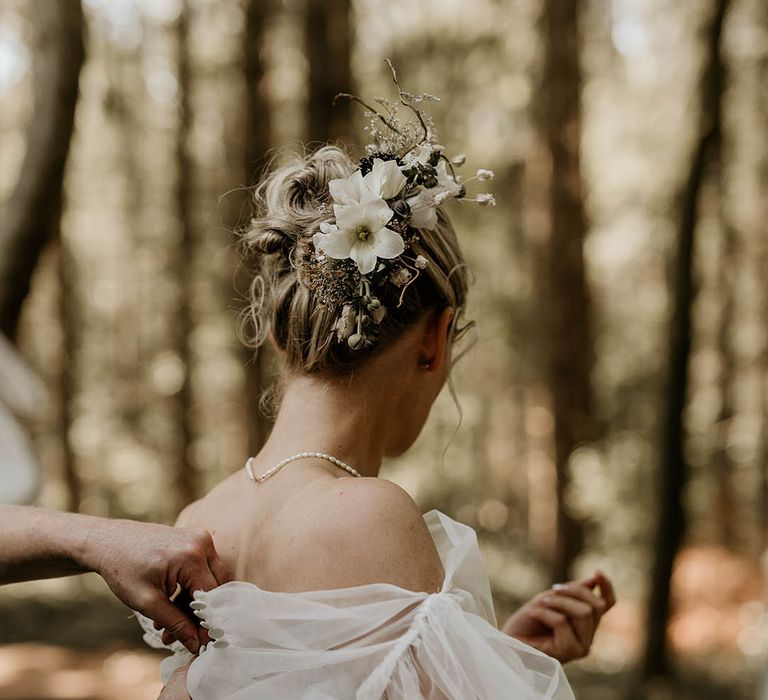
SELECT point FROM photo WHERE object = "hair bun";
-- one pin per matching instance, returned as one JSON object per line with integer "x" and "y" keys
{"x": 290, "y": 204}
{"x": 271, "y": 241}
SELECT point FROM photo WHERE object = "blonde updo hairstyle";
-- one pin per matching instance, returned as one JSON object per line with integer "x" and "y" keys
{"x": 290, "y": 203}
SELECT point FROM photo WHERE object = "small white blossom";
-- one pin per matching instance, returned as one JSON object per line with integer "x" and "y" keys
{"x": 400, "y": 277}
{"x": 485, "y": 199}
{"x": 346, "y": 322}
{"x": 484, "y": 174}
{"x": 424, "y": 203}
{"x": 377, "y": 315}
{"x": 459, "y": 159}
{"x": 420, "y": 262}
{"x": 420, "y": 154}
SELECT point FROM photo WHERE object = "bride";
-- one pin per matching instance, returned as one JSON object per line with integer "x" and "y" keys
{"x": 342, "y": 588}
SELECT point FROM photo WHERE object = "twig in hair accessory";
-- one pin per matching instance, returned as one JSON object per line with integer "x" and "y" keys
{"x": 378, "y": 212}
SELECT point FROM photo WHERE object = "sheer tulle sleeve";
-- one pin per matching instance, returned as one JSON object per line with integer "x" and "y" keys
{"x": 368, "y": 642}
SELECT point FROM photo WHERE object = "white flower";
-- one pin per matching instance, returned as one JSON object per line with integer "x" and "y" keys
{"x": 400, "y": 277}
{"x": 345, "y": 323}
{"x": 485, "y": 199}
{"x": 424, "y": 204}
{"x": 420, "y": 262}
{"x": 350, "y": 190}
{"x": 459, "y": 159}
{"x": 385, "y": 178}
{"x": 424, "y": 208}
{"x": 420, "y": 154}
{"x": 383, "y": 182}
{"x": 361, "y": 216}
{"x": 360, "y": 235}
{"x": 484, "y": 174}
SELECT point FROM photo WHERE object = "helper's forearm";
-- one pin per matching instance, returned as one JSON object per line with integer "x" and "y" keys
{"x": 36, "y": 543}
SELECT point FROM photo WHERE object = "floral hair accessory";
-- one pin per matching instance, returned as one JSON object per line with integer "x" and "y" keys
{"x": 377, "y": 214}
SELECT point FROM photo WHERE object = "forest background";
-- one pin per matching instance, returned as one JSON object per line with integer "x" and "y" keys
{"x": 614, "y": 408}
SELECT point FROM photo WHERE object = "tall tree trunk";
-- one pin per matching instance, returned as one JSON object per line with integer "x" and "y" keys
{"x": 187, "y": 477}
{"x": 726, "y": 505}
{"x": 257, "y": 142}
{"x": 570, "y": 341}
{"x": 69, "y": 320}
{"x": 123, "y": 71}
{"x": 672, "y": 468}
{"x": 512, "y": 184}
{"x": 328, "y": 40}
{"x": 30, "y": 216}
{"x": 761, "y": 70}
{"x": 762, "y": 455}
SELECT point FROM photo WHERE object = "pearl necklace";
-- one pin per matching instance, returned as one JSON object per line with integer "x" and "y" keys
{"x": 293, "y": 458}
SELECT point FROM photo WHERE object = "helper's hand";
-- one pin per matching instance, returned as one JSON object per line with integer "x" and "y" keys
{"x": 562, "y": 622}
{"x": 143, "y": 563}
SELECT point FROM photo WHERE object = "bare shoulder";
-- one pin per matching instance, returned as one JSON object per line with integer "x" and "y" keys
{"x": 371, "y": 531}
{"x": 188, "y": 516}
{"x": 199, "y": 513}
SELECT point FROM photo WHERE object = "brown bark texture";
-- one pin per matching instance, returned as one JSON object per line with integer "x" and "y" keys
{"x": 257, "y": 143}
{"x": 328, "y": 41}
{"x": 673, "y": 471}
{"x": 70, "y": 323}
{"x": 186, "y": 477}
{"x": 30, "y": 216}
{"x": 569, "y": 324}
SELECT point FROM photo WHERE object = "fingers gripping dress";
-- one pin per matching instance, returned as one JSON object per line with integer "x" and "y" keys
{"x": 366, "y": 642}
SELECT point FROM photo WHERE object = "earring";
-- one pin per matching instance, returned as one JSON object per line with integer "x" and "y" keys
{"x": 425, "y": 364}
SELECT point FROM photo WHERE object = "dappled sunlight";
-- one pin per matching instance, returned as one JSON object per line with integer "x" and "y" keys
{"x": 719, "y": 603}
{"x": 46, "y": 672}
{"x": 575, "y": 430}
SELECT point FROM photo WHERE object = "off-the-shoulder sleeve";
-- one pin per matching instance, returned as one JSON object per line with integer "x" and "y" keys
{"x": 368, "y": 642}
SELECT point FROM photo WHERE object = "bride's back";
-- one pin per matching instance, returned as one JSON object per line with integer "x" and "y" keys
{"x": 305, "y": 529}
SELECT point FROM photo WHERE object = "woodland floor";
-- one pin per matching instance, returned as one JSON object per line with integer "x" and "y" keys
{"x": 33, "y": 671}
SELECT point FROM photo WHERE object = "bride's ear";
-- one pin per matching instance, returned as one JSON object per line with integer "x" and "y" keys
{"x": 433, "y": 353}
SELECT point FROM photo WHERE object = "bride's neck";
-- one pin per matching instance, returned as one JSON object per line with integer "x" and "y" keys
{"x": 335, "y": 417}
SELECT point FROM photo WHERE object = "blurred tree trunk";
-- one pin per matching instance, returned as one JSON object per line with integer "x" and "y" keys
{"x": 70, "y": 323}
{"x": 30, "y": 216}
{"x": 670, "y": 526}
{"x": 328, "y": 39}
{"x": 762, "y": 456}
{"x": 257, "y": 113}
{"x": 258, "y": 129}
{"x": 512, "y": 184}
{"x": 762, "y": 175}
{"x": 121, "y": 106}
{"x": 186, "y": 476}
{"x": 726, "y": 505}
{"x": 569, "y": 338}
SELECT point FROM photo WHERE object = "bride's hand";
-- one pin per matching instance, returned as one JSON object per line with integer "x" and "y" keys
{"x": 562, "y": 622}
{"x": 143, "y": 563}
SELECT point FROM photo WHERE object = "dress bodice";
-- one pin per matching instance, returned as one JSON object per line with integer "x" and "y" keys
{"x": 366, "y": 642}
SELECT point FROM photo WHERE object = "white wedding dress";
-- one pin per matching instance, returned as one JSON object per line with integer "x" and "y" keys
{"x": 366, "y": 642}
